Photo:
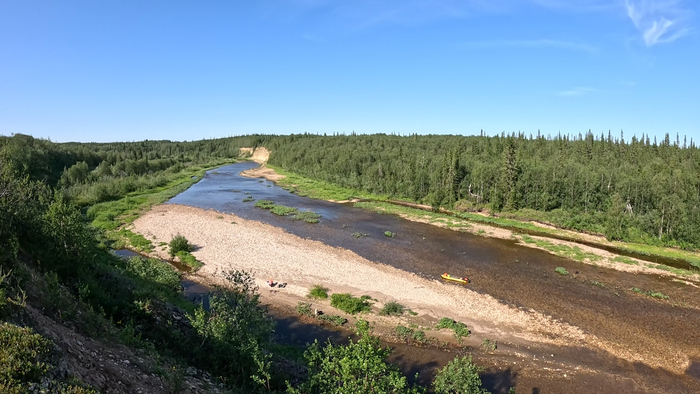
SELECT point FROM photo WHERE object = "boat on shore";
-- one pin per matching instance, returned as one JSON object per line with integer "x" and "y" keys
{"x": 457, "y": 279}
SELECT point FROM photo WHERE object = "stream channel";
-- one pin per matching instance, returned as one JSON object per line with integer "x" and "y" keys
{"x": 516, "y": 275}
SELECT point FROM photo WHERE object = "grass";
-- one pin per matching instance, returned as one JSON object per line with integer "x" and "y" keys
{"x": 626, "y": 260}
{"x": 304, "y": 309}
{"x": 349, "y": 304}
{"x": 313, "y": 188}
{"x": 408, "y": 334}
{"x": 574, "y": 253}
{"x": 293, "y": 213}
{"x": 110, "y": 216}
{"x": 460, "y": 329}
{"x": 282, "y": 210}
{"x": 489, "y": 344}
{"x": 561, "y": 271}
{"x": 318, "y": 292}
{"x": 188, "y": 259}
{"x": 392, "y": 308}
{"x": 333, "y": 319}
{"x": 650, "y": 293}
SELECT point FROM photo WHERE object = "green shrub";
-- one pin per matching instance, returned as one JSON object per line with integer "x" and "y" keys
{"x": 561, "y": 271}
{"x": 392, "y": 308}
{"x": 358, "y": 234}
{"x": 318, "y": 292}
{"x": 408, "y": 334}
{"x": 359, "y": 367}
{"x": 349, "y": 304}
{"x": 23, "y": 356}
{"x": 333, "y": 319}
{"x": 489, "y": 344}
{"x": 459, "y": 376}
{"x": 460, "y": 329}
{"x": 304, "y": 309}
{"x": 179, "y": 244}
{"x": 389, "y": 234}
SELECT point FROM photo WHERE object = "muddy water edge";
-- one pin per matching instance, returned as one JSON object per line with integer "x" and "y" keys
{"x": 600, "y": 301}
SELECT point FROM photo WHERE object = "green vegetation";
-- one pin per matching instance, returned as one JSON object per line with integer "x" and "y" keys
{"x": 488, "y": 344}
{"x": 293, "y": 213}
{"x": 304, "y": 309}
{"x": 460, "y": 329}
{"x": 392, "y": 308}
{"x": 459, "y": 376}
{"x": 314, "y": 188}
{"x": 264, "y": 204}
{"x": 573, "y": 253}
{"x": 409, "y": 335}
{"x": 179, "y": 244}
{"x": 359, "y": 367}
{"x": 625, "y": 260}
{"x": 333, "y": 319}
{"x": 358, "y": 234}
{"x": 561, "y": 271}
{"x": 318, "y": 292}
{"x": 349, "y": 304}
{"x": 389, "y": 234}
{"x": 650, "y": 293}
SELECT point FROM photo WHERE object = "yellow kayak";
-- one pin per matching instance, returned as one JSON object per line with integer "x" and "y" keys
{"x": 447, "y": 276}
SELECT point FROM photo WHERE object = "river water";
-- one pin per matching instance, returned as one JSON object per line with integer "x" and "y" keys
{"x": 516, "y": 275}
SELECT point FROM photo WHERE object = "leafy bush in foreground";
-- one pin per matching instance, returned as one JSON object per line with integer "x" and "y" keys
{"x": 358, "y": 367}
{"x": 459, "y": 376}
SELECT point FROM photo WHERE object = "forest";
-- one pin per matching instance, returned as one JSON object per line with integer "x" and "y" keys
{"x": 640, "y": 191}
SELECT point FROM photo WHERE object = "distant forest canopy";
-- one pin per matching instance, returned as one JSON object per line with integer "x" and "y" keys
{"x": 635, "y": 190}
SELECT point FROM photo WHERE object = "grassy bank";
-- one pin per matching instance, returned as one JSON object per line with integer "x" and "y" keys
{"x": 321, "y": 190}
{"x": 111, "y": 216}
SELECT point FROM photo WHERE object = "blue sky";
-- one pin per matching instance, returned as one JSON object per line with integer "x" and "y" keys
{"x": 186, "y": 70}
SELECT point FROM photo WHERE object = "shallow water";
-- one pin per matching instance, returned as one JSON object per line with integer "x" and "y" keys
{"x": 597, "y": 299}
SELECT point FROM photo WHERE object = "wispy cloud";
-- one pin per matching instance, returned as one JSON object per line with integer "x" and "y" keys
{"x": 542, "y": 43}
{"x": 659, "y": 21}
{"x": 576, "y": 92}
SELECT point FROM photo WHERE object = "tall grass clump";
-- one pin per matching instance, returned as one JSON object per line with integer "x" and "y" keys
{"x": 460, "y": 329}
{"x": 349, "y": 304}
{"x": 318, "y": 292}
{"x": 392, "y": 308}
